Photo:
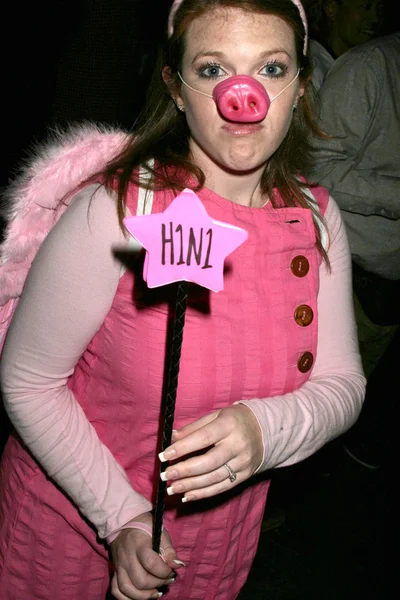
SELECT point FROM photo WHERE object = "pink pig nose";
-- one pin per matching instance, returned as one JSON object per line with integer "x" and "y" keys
{"x": 241, "y": 98}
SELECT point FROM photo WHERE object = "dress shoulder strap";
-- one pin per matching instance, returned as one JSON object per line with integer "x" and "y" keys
{"x": 319, "y": 198}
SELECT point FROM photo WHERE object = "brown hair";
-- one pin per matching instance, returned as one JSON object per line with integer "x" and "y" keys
{"x": 162, "y": 133}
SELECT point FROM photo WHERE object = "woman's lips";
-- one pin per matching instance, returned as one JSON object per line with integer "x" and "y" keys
{"x": 242, "y": 128}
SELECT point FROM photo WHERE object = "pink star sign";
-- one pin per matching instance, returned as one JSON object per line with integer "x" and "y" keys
{"x": 184, "y": 244}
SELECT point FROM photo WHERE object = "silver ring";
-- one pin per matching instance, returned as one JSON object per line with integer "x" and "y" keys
{"x": 232, "y": 474}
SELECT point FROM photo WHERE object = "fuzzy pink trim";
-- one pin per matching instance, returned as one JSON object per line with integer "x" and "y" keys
{"x": 33, "y": 201}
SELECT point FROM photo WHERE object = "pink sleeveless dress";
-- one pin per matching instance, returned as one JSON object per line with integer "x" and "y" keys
{"x": 242, "y": 343}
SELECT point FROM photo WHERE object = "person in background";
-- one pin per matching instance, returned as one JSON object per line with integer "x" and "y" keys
{"x": 360, "y": 165}
{"x": 338, "y": 25}
{"x": 270, "y": 368}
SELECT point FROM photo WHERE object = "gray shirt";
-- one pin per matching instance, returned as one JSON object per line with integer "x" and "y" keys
{"x": 360, "y": 164}
{"x": 321, "y": 62}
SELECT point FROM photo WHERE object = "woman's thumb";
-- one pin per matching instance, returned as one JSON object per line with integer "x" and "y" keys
{"x": 168, "y": 552}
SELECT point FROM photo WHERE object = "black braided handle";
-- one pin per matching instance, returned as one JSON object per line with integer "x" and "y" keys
{"x": 170, "y": 400}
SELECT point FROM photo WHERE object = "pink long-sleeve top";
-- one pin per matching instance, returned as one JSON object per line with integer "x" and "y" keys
{"x": 51, "y": 331}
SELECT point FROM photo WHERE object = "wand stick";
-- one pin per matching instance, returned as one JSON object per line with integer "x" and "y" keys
{"x": 169, "y": 402}
{"x": 183, "y": 244}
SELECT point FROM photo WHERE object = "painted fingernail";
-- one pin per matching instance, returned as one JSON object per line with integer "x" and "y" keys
{"x": 163, "y": 476}
{"x": 170, "y": 581}
{"x": 179, "y": 562}
{"x": 188, "y": 498}
{"x": 167, "y": 455}
{"x": 170, "y": 491}
{"x": 157, "y": 595}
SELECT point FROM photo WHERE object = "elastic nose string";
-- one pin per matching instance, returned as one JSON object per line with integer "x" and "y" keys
{"x": 192, "y": 88}
{"x": 209, "y": 96}
{"x": 289, "y": 84}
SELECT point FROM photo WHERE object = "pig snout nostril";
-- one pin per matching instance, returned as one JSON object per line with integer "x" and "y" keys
{"x": 241, "y": 98}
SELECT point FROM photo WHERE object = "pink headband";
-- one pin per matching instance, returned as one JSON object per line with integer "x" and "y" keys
{"x": 299, "y": 5}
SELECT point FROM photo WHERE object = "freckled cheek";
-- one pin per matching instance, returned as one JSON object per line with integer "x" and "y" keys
{"x": 282, "y": 116}
{"x": 198, "y": 124}
{"x": 199, "y": 105}
{"x": 202, "y": 118}
{"x": 276, "y": 131}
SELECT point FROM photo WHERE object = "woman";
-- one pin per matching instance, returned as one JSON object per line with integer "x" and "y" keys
{"x": 270, "y": 369}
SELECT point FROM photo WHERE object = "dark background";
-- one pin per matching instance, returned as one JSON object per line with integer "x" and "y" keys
{"x": 71, "y": 61}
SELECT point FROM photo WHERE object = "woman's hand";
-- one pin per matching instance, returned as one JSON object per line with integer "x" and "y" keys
{"x": 232, "y": 436}
{"x": 139, "y": 571}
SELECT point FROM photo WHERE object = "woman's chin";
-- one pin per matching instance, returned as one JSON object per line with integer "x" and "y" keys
{"x": 243, "y": 163}
{"x": 240, "y": 158}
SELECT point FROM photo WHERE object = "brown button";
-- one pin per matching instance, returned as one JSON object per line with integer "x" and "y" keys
{"x": 305, "y": 362}
{"x": 300, "y": 266}
{"x": 303, "y": 315}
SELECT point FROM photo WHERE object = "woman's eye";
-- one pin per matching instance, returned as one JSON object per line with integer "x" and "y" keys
{"x": 274, "y": 70}
{"x": 211, "y": 72}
